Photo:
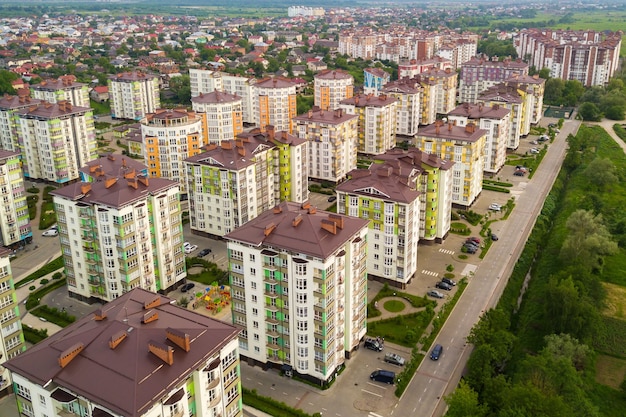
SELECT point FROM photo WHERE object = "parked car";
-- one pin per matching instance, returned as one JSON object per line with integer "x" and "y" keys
{"x": 494, "y": 237}
{"x": 495, "y": 207}
{"x": 534, "y": 150}
{"x": 557, "y": 130}
{"x": 534, "y": 142}
{"x": 186, "y": 287}
{"x": 470, "y": 249}
{"x": 395, "y": 359}
{"x": 332, "y": 198}
{"x": 473, "y": 239}
{"x": 189, "y": 249}
{"x": 519, "y": 173}
{"x": 374, "y": 344}
{"x": 436, "y": 352}
{"x": 50, "y": 232}
{"x": 435, "y": 293}
{"x": 444, "y": 286}
{"x": 186, "y": 244}
{"x": 448, "y": 281}
{"x": 204, "y": 252}
{"x": 381, "y": 375}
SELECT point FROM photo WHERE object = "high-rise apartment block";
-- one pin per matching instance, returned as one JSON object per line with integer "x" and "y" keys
{"x": 374, "y": 79}
{"x": 206, "y": 81}
{"x": 299, "y": 288}
{"x": 465, "y": 146}
{"x": 9, "y": 105}
{"x": 535, "y": 87}
{"x": 276, "y": 103}
{"x": 234, "y": 182}
{"x": 332, "y": 86}
{"x": 459, "y": 51}
{"x": 496, "y": 121}
{"x": 408, "y": 92}
{"x": 332, "y": 142}
{"x": 518, "y": 101}
{"x": 388, "y": 195}
{"x": 169, "y": 137}
{"x": 65, "y": 88}
{"x": 376, "y": 123}
{"x": 14, "y": 217}
{"x": 133, "y": 95}
{"x": 55, "y": 140}
{"x": 414, "y": 67}
{"x": 120, "y": 230}
{"x": 446, "y": 94}
{"x": 140, "y": 355}
{"x": 222, "y": 115}
{"x": 293, "y": 11}
{"x": 585, "y": 55}
{"x": 480, "y": 73}
{"x": 12, "y": 337}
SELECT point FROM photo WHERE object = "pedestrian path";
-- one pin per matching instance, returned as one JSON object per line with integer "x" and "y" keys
{"x": 446, "y": 251}
{"x": 430, "y": 273}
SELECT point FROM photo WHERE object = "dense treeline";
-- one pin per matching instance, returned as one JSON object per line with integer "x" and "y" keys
{"x": 538, "y": 357}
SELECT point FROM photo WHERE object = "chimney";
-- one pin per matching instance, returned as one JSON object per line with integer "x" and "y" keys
{"x": 152, "y": 303}
{"x": 179, "y": 338}
{"x": 337, "y": 219}
{"x": 449, "y": 126}
{"x": 162, "y": 351}
{"x": 69, "y": 354}
{"x": 150, "y": 316}
{"x": 117, "y": 338}
{"x": 108, "y": 183}
{"x": 329, "y": 226}
{"x": 99, "y": 315}
{"x": 305, "y": 205}
{"x": 437, "y": 125}
{"x": 470, "y": 128}
{"x": 270, "y": 131}
{"x": 312, "y": 210}
{"x": 310, "y": 113}
{"x": 85, "y": 188}
{"x": 278, "y": 209}
{"x": 269, "y": 229}
{"x": 297, "y": 220}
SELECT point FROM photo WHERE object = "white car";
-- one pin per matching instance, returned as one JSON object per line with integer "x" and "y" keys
{"x": 50, "y": 232}
{"x": 534, "y": 150}
{"x": 190, "y": 248}
{"x": 495, "y": 207}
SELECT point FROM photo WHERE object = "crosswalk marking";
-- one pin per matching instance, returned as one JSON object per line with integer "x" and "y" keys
{"x": 431, "y": 273}
{"x": 448, "y": 251}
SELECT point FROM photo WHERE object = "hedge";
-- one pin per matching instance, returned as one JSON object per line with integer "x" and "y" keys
{"x": 270, "y": 405}
{"x": 494, "y": 188}
{"x": 53, "y": 315}
{"x": 50, "y": 267}
{"x": 34, "y": 336}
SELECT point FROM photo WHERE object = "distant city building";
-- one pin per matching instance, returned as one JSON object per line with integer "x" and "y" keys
{"x": 65, "y": 88}
{"x": 535, "y": 87}
{"x": 299, "y": 289}
{"x": 9, "y": 106}
{"x": 408, "y": 92}
{"x": 120, "y": 230}
{"x": 415, "y": 67}
{"x": 480, "y": 73}
{"x": 374, "y": 80}
{"x": 133, "y": 95}
{"x": 12, "y": 337}
{"x": 389, "y": 194}
{"x": 459, "y": 51}
{"x": 206, "y": 81}
{"x": 15, "y": 224}
{"x": 332, "y": 143}
{"x": 55, "y": 140}
{"x": 465, "y": 146}
{"x": 332, "y": 86}
{"x": 140, "y": 355}
{"x": 222, "y": 115}
{"x": 169, "y": 137}
{"x": 377, "y": 121}
{"x": 496, "y": 121}
{"x": 585, "y": 55}
{"x": 232, "y": 183}
{"x": 293, "y": 11}
{"x": 276, "y": 103}
{"x": 446, "y": 95}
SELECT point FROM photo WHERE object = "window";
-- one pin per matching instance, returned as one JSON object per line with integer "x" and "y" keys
{"x": 22, "y": 391}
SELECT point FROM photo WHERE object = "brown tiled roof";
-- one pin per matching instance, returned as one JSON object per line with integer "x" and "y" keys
{"x": 132, "y": 76}
{"x": 362, "y": 100}
{"x": 14, "y": 102}
{"x": 275, "y": 82}
{"x": 61, "y": 83}
{"x": 325, "y": 116}
{"x": 215, "y": 97}
{"x": 479, "y": 111}
{"x": 439, "y": 130}
{"x": 333, "y": 74}
{"x": 298, "y": 228}
{"x": 113, "y": 187}
{"x": 126, "y": 379}
{"x": 232, "y": 154}
{"x": 502, "y": 93}
{"x": 4, "y": 154}
{"x": 45, "y": 110}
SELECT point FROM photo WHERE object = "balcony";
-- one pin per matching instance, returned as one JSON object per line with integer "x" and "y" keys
{"x": 61, "y": 412}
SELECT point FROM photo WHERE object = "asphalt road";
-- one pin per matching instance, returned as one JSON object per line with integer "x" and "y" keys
{"x": 436, "y": 379}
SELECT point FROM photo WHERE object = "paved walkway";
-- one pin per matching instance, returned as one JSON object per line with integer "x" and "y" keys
{"x": 386, "y": 314}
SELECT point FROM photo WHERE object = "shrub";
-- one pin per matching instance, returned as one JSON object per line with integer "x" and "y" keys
{"x": 45, "y": 270}
{"x": 57, "y": 275}
{"x": 34, "y": 336}
{"x": 43, "y": 281}
{"x": 31, "y": 288}
{"x": 53, "y": 315}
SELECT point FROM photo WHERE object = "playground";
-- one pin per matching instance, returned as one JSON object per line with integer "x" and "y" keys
{"x": 214, "y": 298}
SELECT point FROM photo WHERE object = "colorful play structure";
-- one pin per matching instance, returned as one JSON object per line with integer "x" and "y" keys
{"x": 216, "y": 297}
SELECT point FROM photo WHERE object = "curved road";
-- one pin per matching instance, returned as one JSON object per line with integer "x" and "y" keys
{"x": 434, "y": 380}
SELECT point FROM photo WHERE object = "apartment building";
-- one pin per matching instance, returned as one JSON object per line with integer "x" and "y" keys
{"x": 119, "y": 230}
{"x": 360, "y": 44}
{"x": 9, "y": 105}
{"x": 408, "y": 92}
{"x": 430, "y": 93}
{"x": 480, "y": 73}
{"x": 14, "y": 217}
{"x": 294, "y": 11}
{"x": 332, "y": 143}
{"x": 332, "y": 86}
{"x": 535, "y": 87}
{"x": 458, "y": 52}
{"x": 55, "y": 140}
{"x": 585, "y": 55}
{"x": 376, "y": 122}
{"x": 465, "y": 146}
{"x": 140, "y": 355}
{"x": 374, "y": 80}
{"x": 133, "y": 95}
{"x": 496, "y": 121}
{"x": 387, "y": 194}
{"x": 299, "y": 289}
{"x": 518, "y": 101}
{"x": 234, "y": 182}
{"x": 445, "y": 95}
{"x": 65, "y": 88}
{"x": 276, "y": 103}
{"x": 206, "y": 81}
{"x": 12, "y": 337}
{"x": 169, "y": 137}
{"x": 414, "y": 67}
{"x": 222, "y": 115}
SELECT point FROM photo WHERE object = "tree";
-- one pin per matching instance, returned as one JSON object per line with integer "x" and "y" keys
{"x": 6, "y": 77}
{"x": 564, "y": 345}
{"x": 463, "y": 402}
{"x": 608, "y": 176}
{"x": 181, "y": 87}
{"x": 554, "y": 91}
{"x": 589, "y": 112}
